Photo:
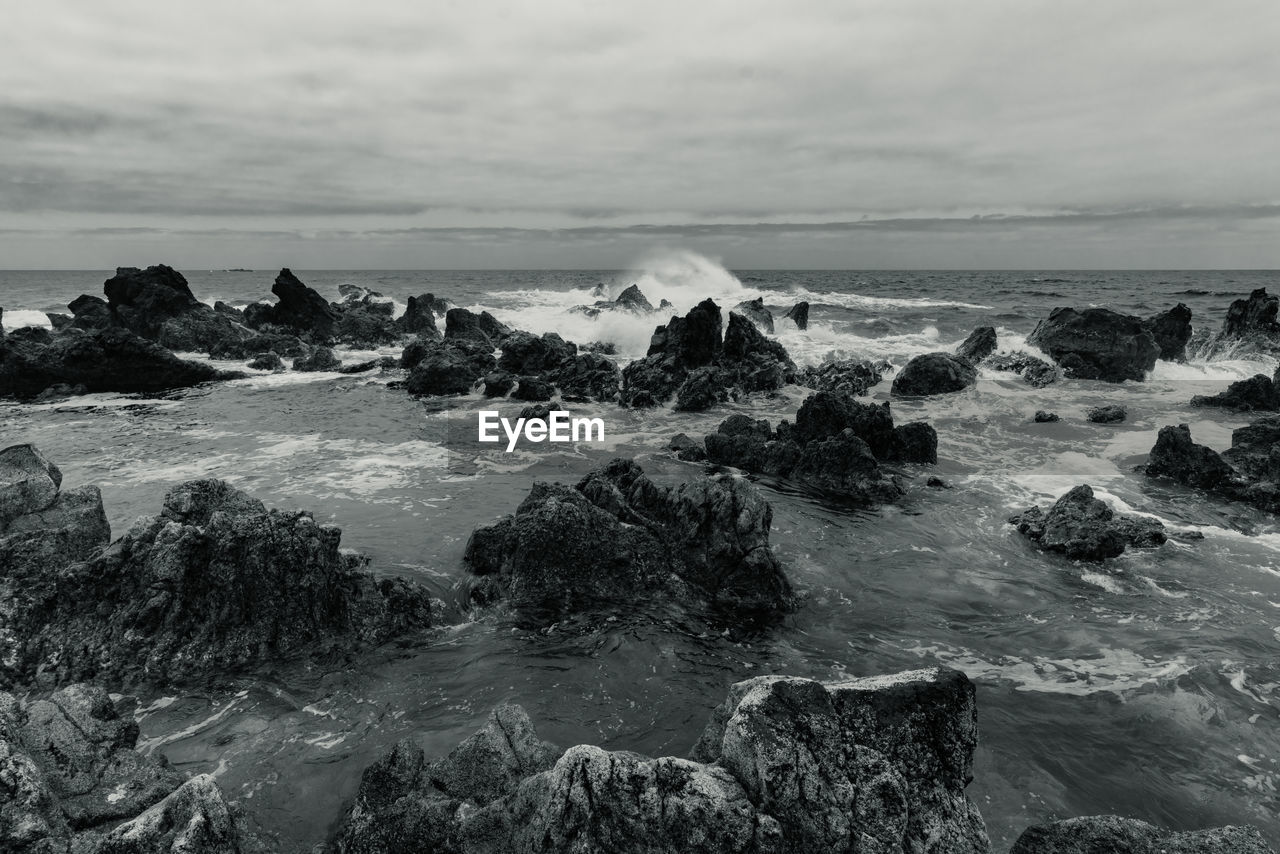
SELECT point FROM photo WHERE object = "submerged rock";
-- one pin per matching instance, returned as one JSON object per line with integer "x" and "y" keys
{"x": 617, "y": 538}
{"x": 1109, "y": 414}
{"x": 784, "y": 765}
{"x": 934, "y": 373}
{"x": 267, "y": 362}
{"x": 1097, "y": 344}
{"x": 1248, "y": 471}
{"x": 799, "y": 315}
{"x": 855, "y": 377}
{"x": 1036, "y": 372}
{"x": 1043, "y": 417}
{"x": 687, "y": 449}
{"x": 1086, "y": 528}
{"x": 755, "y": 311}
{"x": 1172, "y": 331}
{"x": 1256, "y": 394}
{"x": 319, "y": 359}
{"x": 1110, "y": 833}
{"x": 632, "y": 300}
{"x": 216, "y": 583}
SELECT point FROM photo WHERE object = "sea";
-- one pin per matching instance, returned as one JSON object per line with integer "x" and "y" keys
{"x": 1147, "y": 686}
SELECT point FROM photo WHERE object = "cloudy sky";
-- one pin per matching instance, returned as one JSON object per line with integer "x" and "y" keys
{"x": 565, "y": 133}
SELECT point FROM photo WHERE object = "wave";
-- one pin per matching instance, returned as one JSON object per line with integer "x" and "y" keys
{"x": 20, "y": 318}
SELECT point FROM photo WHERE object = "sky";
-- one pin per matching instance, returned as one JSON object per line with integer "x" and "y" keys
{"x": 863, "y": 134}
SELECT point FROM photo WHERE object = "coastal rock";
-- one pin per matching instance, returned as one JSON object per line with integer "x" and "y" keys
{"x": 632, "y": 300}
{"x": 702, "y": 389}
{"x": 448, "y": 366}
{"x": 1086, "y": 528}
{"x": 617, "y": 537}
{"x": 1036, "y": 372}
{"x": 588, "y": 376}
{"x": 157, "y": 304}
{"x": 755, "y": 311}
{"x": 28, "y": 482}
{"x": 383, "y": 363}
{"x": 980, "y": 344}
{"x": 1176, "y": 456}
{"x": 366, "y": 328}
{"x": 525, "y": 353}
{"x": 687, "y": 449}
{"x": 799, "y": 315}
{"x": 267, "y": 338}
{"x": 213, "y": 585}
{"x": 113, "y": 359}
{"x": 301, "y": 308}
{"x": 1097, "y": 344}
{"x": 1172, "y": 331}
{"x": 267, "y": 362}
{"x": 483, "y": 329}
{"x": 1110, "y": 414}
{"x": 1107, "y": 833}
{"x": 1253, "y": 316}
{"x": 90, "y": 312}
{"x": 785, "y": 765}
{"x": 533, "y": 389}
{"x": 836, "y": 446}
{"x": 356, "y": 296}
{"x": 498, "y": 383}
{"x": 934, "y": 373}
{"x": 319, "y": 359}
{"x": 1043, "y": 417}
{"x": 419, "y": 316}
{"x": 855, "y": 377}
{"x": 1256, "y": 394}
{"x": 680, "y": 346}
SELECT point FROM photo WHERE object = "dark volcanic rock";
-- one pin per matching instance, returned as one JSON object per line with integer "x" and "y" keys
{"x": 1102, "y": 834}
{"x": 482, "y": 329}
{"x": 755, "y": 311}
{"x": 1258, "y": 393}
{"x": 1248, "y": 471}
{"x": 319, "y": 359}
{"x": 630, "y": 300}
{"x": 855, "y": 377}
{"x": 525, "y": 353}
{"x": 633, "y": 298}
{"x": 934, "y": 373}
{"x": 157, "y": 304}
{"x": 366, "y": 328}
{"x": 799, "y": 315}
{"x": 980, "y": 344}
{"x": 498, "y": 383}
{"x": 1255, "y": 316}
{"x": 836, "y": 446}
{"x": 90, "y": 312}
{"x": 1097, "y": 344}
{"x": 448, "y": 366}
{"x": 683, "y": 344}
{"x": 588, "y": 376}
{"x": 617, "y": 538}
{"x": 383, "y": 363}
{"x": 213, "y": 585}
{"x": 267, "y": 362}
{"x": 1172, "y": 331}
{"x": 1043, "y": 417}
{"x": 1109, "y": 414}
{"x": 687, "y": 449}
{"x": 1036, "y": 372}
{"x": 702, "y": 389}
{"x": 419, "y": 316}
{"x": 356, "y": 296}
{"x": 113, "y": 359}
{"x": 301, "y": 308}
{"x": 534, "y": 389}
{"x": 1085, "y": 528}
{"x": 1176, "y": 456}
{"x": 785, "y": 765}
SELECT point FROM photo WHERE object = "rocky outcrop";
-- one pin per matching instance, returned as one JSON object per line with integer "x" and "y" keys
{"x": 1097, "y": 344}
{"x": 157, "y": 304}
{"x": 677, "y": 348}
{"x": 784, "y": 765}
{"x": 266, "y": 362}
{"x": 799, "y": 315}
{"x": 299, "y": 308}
{"x": 934, "y": 373}
{"x": 1253, "y": 316}
{"x": 1082, "y": 527}
{"x": 1043, "y": 417}
{"x": 617, "y": 540}
{"x": 318, "y": 359}
{"x": 1259, "y": 393}
{"x": 419, "y": 316}
{"x": 526, "y": 353}
{"x": 215, "y": 584}
{"x": 855, "y": 377}
{"x": 1248, "y": 471}
{"x": 1172, "y": 331}
{"x": 755, "y": 311}
{"x": 836, "y": 446}
{"x": 73, "y": 782}
{"x": 1036, "y": 372}
{"x": 447, "y": 366}
{"x": 631, "y": 300}
{"x": 113, "y": 359}
{"x": 587, "y": 376}
{"x": 1107, "y": 833}
{"x": 980, "y": 344}
{"x": 90, "y": 312}
{"x": 483, "y": 329}
{"x": 1109, "y": 414}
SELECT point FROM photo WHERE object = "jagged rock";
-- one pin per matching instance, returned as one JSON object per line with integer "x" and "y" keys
{"x": 229, "y": 310}
{"x": 1086, "y": 528}
{"x": 1036, "y": 372}
{"x": 632, "y": 299}
{"x": 1109, "y": 414}
{"x": 113, "y": 359}
{"x": 265, "y": 338}
{"x": 365, "y": 328}
{"x": 617, "y": 537}
{"x": 980, "y": 344}
{"x": 687, "y": 449}
{"x": 799, "y": 315}
{"x": 1043, "y": 417}
{"x": 536, "y": 412}
{"x": 1176, "y": 456}
{"x": 319, "y": 359}
{"x": 216, "y": 583}
{"x": 1255, "y": 315}
{"x": 785, "y": 765}
{"x": 755, "y": 311}
{"x": 267, "y": 362}
{"x": 836, "y": 445}
{"x": 259, "y": 314}
{"x": 856, "y": 377}
{"x": 1248, "y": 471}
{"x": 934, "y": 373}
{"x": 1172, "y": 331}
{"x": 588, "y": 376}
{"x": 352, "y": 296}
{"x": 1097, "y": 344}
{"x": 28, "y": 482}
{"x": 300, "y": 308}
{"x": 419, "y": 316}
{"x": 683, "y": 344}
{"x": 534, "y": 389}
{"x": 157, "y": 304}
{"x": 525, "y": 353}
{"x": 385, "y": 363}
{"x": 752, "y": 361}
{"x": 482, "y": 329}
{"x": 90, "y": 313}
{"x": 604, "y": 348}
{"x": 193, "y": 819}
{"x": 448, "y": 366}
{"x": 1258, "y": 393}
{"x": 1100, "y": 834}
{"x": 498, "y": 383}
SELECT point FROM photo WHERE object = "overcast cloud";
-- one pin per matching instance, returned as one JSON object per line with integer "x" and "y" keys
{"x": 565, "y": 133}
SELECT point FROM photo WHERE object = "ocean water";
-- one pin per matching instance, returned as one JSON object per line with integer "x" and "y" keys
{"x": 1148, "y": 686}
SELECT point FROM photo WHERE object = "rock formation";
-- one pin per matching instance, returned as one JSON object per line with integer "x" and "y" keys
{"x": 1036, "y": 372}
{"x": 934, "y": 373}
{"x": 853, "y": 376}
{"x": 1259, "y": 393}
{"x": 1086, "y": 528}
{"x": 1110, "y": 414}
{"x": 157, "y": 304}
{"x": 1172, "y": 331}
{"x": 1100, "y": 834}
{"x": 755, "y": 311}
{"x": 1248, "y": 471}
{"x": 1097, "y": 344}
{"x": 980, "y": 344}
{"x": 799, "y": 315}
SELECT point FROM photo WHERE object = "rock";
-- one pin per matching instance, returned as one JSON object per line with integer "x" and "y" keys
{"x": 702, "y": 389}
{"x": 1248, "y": 471}
{"x": 498, "y": 383}
{"x": 301, "y": 308}
{"x": 1106, "y": 833}
{"x": 419, "y": 316}
{"x": 937, "y": 483}
{"x": 631, "y": 300}
{"x": 1254, "y": 316}
{"x": 61, "y": 391}
{"x": 1043, "y": 417}
{"x": 1172, "y": 331}
{"x": 785, "y": 765}
{"x": 617, "y": 539}
{"x": 1085, "y": 528}
{"x": 157, "y": 304}
{"x": 525, "y": 353}
{"x": 1036, "y": 372}
{"x": 1258, "y": 393}
{"x": 268, "y": 362}
{"x": 229, "y": 310}
{"x": 683, "y": 344}
{"x": 980, "y": 344}
{"x": 799, "y": 315}
{"x": 752, "y": 361}
{"x": 448, "y": 366}
{"x": 856, "y": 377}
{"x": 213, "y": 585}
{"x": 836, "y": 446}
{"x": 266, "y": 338}
{"x": 28, "y": 482}
{"x": 366, "y": 328}
{"x": 384, "y": 363}
{"x": 1097, "y": 344}
{"x": 687, "y": 449}
{"x": 634, "y": 299}
{"x": 482, "y": 329}
{"x": 259, "y": 314}
{"x": 536, "y": 412}
{"x": 58, "y": 321}
{"x": 604, "y": 348}
{"x": 112, "y": 359}
{"x": 1109, "y": 414}
{"x": 1176, "y": 456}
{"x": 533, "y": 388}
{"x": 352, "y": 296}
{"x": 193, "y": 819}
{"x": 934, "y": 373}
{"x": 90, "y": 312}
{"x": 588, "y": 376}
{"x": 319, "y": 359}
{"x": 755, "y": 311}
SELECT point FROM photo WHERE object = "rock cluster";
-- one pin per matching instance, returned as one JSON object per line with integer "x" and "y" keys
{"x": 1082, "y": 527}
{"x": 617, "y": 537}
{"x": 1259, "y": 393}
{"x": 1250, "y": 327}
{"x": 1171, "y": 330}
{"x": 1248, "y": 471}
{"x": 784, "y": 765}
{"x": 854, "y": 376}
{"x": 836, "y": 446}
{"x": 631, "y": 300}
{"x": 755, "y": 311}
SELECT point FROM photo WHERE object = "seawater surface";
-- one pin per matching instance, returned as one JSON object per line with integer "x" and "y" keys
{"x": 1147, "y": 686}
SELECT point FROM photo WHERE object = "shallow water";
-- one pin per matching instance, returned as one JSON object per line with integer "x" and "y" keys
{"x": 1147, "y": 686}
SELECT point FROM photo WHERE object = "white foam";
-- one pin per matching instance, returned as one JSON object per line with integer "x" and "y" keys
{"x": 21, "y": 318}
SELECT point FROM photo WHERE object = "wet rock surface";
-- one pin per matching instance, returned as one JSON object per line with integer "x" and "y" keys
{"x": 980, "y": 344}
{"x": 1109, "y": 833}
{"x": 157, "y": 304}
{"x": 1248, "y": 471}
{"x": 854, "y": 376}
{"x": 755, "y": 311}
{"x": 1036, "y": 372}
{"x": 1043, "y": 417}
{"x": 934, "y": 373}
{"x": 1083, "y": 527}
{"x": 799, "y": 315}
{"x": 1172, "y": 331}
{"x": 1097, "y": 344}
{"x": 1110, "y": 414}
{"x": 1256, "y": 394}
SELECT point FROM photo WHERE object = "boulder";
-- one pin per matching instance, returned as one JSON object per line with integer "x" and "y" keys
{"x": 533, "y": 389}
{"x": 934, "y": 373}
{"x": 365, "y": 327}
{"x": 319, "y": 359}
{"x": 588, "y": 376}
{"x": 267, "y": 362}
{"x": 1086, "y": 528}
{"x": 1172, "y": 331}
{"x": 157, "y": 304}
{"x": 687, "y": 449}
{"x": 356, "y": 296}
{"x": 1097, "y": 344}
{"x": 265, "y": 338}
{"x": 90, "y": 312}
{"x": 799, "y": 315}
{"x": 213, "y": 585}
{"x": 28, "y": 482}
{"x": 755, "y": 311}
{"x": 382, "y": 363}
{"x": 1253, "y": 316}
{"x": 1108, "y": 414}
{"x": 448, "y": 366}
{"x": 617, "y": 539}
{"x": 855, "y": 377}
{"x": 1043, "y": 417}
{"x": 1036, "y": 372}
{"x": 631, "y": 300}
{"x": 1107, "y": 833}
{"x": 498, "y": 383}
{"x": 419, "y": 316}
{"x": 301, "y": 308}
{"x": 702, "y": 389}
{"x": 784, "y": 765}
{"x": 482, "y": 329}
{"x": 525, "y": 353}
{"x": 1176, "y": 456}
{"x": 1256, "y": 394}
{"x": 680, "y": 346}
{"x": 980, "y": 344}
